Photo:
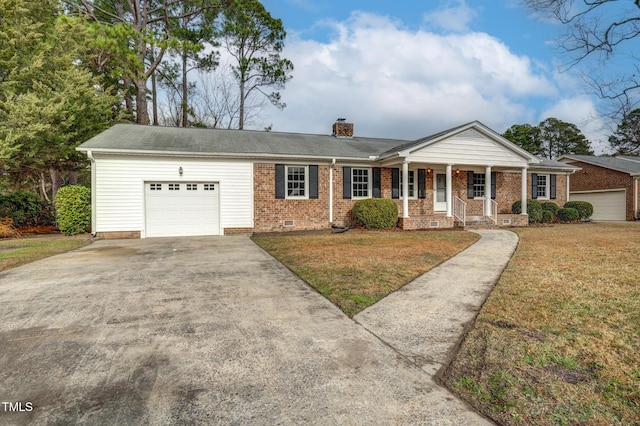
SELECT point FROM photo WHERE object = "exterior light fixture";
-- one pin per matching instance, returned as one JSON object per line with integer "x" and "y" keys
{"x": 180, "y": 171}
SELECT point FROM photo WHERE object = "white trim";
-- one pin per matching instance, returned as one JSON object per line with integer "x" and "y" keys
{"x": 331, "y": 169}
{"x": 523, "y": 191}
{"x": 306, "y": 182}
{"x": 635, "y": 197}
{"x": 405, "y": 189}
{"x": 369, "y": 182}
{"x": 449, "y": 192}
{"x": 547, "y": 195}
{"x": 487, "y": 191}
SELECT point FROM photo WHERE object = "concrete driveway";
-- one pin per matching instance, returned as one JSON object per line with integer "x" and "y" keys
{"x": 195, "y": 331}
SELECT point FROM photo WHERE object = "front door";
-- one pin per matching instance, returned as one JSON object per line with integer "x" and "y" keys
{"x": 440, "y": 194}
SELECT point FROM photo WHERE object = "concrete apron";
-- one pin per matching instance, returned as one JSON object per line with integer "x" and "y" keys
{"x": 215, "y": 331}
{"x": 426, "y": 319}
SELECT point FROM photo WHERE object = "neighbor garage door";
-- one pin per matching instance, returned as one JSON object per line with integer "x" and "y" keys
{"x": 607, "y": 205}
{"x": 182, "y": 209}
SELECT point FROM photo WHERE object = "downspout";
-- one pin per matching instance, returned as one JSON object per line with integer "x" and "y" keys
{"x": 93, "y": 193}
{"x": 333, "y": 163}
{"x": 635, "y": 197}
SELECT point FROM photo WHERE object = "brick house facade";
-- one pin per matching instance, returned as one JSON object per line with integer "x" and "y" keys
{"x": 161, "y": 181}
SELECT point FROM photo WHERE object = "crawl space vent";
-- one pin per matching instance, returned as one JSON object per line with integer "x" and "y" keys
{"x": 288, "y": 223}
{"x": 434, "y": 224}
{"x": 506, "y": 221}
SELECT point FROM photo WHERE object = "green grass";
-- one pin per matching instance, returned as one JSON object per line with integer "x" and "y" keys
{"x": 19, "y": 251}
{"x": 558, "y": 340}
{"x": 357, "y": 268}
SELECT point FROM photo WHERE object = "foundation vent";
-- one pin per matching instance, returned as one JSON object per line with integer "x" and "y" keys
{"x": 434, "y": 224}
{"x": 506, "y": 221}
{"x": 289, "y": 223}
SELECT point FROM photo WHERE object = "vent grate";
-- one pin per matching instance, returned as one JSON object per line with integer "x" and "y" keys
{"x": 289, "y": 223}
{"x": 434, "y": 224}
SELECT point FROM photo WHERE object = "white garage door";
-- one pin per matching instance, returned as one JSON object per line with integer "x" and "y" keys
{"x": 182, "y": 209}
{"x": 607, "y": 205}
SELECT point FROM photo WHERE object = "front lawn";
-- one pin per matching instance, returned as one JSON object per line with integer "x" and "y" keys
{"x": 558, "y": 340}
{"x": 357, "y": 268}
{"x": 19, "y": 251}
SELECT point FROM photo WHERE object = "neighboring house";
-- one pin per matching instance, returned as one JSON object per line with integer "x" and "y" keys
{"x": 609, "y": 183}
{"x": 160, "y": 181}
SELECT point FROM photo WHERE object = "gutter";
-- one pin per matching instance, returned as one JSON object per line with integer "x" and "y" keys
{"x": 93, "y": 193}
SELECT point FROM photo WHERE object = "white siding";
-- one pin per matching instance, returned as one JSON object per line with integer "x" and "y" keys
{"x": 120, "y": 188}
{"x": 468, "y": 148}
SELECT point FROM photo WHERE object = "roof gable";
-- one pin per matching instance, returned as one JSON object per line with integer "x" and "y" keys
{"x": 472, "y": 143}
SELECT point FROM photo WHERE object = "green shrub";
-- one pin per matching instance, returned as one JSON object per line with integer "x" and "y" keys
{"x": 550, "y": 206}
{"x": 547, "y": 216}
{"x": 376, "y": 213}
{"x": 568, "y": 215}
{"x": 534, "y": 210}
{"x": 73, "y": 209}
{"x": 585, "y": 209}
{"x": 24, "y": 208}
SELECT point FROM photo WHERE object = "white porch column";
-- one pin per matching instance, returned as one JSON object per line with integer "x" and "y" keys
{"x": 487, "y": 191}
{"x": 524, "y": 191}
{"x": 449, "y": 192}
{"x": 405, "y": 189}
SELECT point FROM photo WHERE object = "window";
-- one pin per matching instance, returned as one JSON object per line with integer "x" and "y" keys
{"x": 297, "y": 181}
{"x": 155, "y": 186}
{"x": 478, "y": 185}
{"x": 192, "y": 187}
{"x": 542, "y": 190}
{"x": 209, "y": 186}
{"x": 174, "y": 187}
{"x": 412, "y": 186}
{"x": 360, "y": 183}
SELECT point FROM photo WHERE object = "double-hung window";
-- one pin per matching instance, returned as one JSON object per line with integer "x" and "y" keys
{"x": 412, "y": 185}
{"x": 478, "y": 185}
{"x": 297, "y": 182}
{"x": 542, "y": 186}
{"x": 360, "y": 183}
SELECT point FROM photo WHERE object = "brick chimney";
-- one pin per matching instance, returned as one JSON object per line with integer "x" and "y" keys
{"x": 342, "y": 129}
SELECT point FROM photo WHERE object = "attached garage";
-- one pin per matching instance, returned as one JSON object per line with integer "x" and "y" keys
{"x": 607, "y": 205}
{"x": 182, "y": 209}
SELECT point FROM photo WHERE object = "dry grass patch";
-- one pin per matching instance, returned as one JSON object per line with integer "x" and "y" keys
{"x": 357, "y": 268}
{"x": 558, "y": 340}
{"x": 19, "y": 251}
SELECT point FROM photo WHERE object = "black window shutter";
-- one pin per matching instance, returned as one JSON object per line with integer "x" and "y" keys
{"x": 346, "y": 182}
{"x": 422, "y": 183}
{"x": 493, "y": 185}
{"x": 470, "y": 185}
{"x": 280, "y": 181}
{"x": 552, "y": 188}
{"x": 395, "y": 183}
{"x": 376, "y": 183}
{"x": 313, "y": 181}
{"x": 534, "y": 186}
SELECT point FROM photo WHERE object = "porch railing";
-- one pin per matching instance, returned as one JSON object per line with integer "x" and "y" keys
{"x": 492, "y": 211}
{"x": 460, "y": 210}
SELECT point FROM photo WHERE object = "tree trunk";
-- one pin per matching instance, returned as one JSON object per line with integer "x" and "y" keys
{"x": 73, "y": 178}
{"x": 56, "y": 183}
{"x": 43, "y": 188}
{"x": 241, "y": 110}
{"x": 142, "y": 113}
{"x": 154, "y": 98}
{"x": 185, "y": 92}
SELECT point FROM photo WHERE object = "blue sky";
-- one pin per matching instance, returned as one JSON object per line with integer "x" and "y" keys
{"x": 403, "y": 69}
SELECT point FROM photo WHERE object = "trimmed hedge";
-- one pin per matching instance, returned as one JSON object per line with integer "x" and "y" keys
{"x": 585, "y": 209}
{"x": 566, "y": 215}
{"x": 550, "y": 206}
{"x": 24, "y": 208}
{"x": 73, "y": 209}
{"x": 534, "y": 210}
{"x": 376, "y": 213}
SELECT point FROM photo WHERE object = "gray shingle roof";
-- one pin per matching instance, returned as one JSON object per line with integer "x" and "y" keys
{"x": 134, "y": 138}
{"x": 621, "y": 163}
{"x": 137, "y": 138}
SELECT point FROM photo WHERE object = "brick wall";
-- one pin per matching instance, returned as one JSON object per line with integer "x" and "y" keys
{"x": 271, "y": 213}
{"x": 594, "y": 178}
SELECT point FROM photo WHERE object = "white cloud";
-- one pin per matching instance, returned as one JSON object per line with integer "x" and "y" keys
{"x": 399, "y": 83}
{"x": 456, "y": 17}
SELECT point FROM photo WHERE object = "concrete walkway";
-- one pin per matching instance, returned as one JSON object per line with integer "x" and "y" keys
{"x": 426, "y": 319}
